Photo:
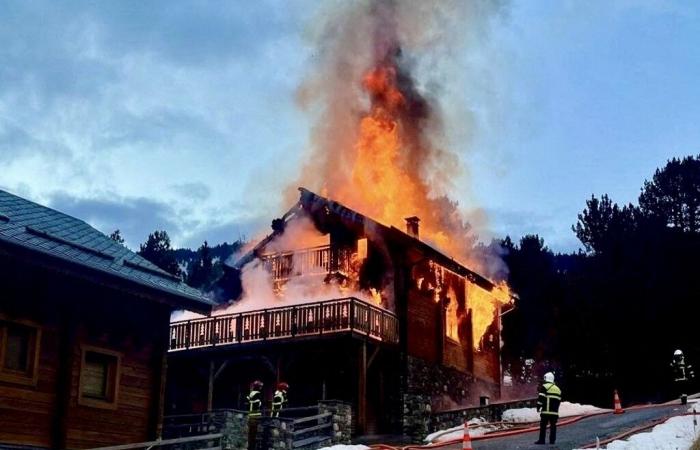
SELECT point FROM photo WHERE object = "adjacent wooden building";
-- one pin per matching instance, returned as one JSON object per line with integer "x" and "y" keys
{"x": 83, "y": 332}
{"x": 401, "y": 344}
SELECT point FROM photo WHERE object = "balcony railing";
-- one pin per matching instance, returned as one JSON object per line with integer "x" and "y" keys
{"x": 309, "y": 261}
{"x": 345, "y": 315}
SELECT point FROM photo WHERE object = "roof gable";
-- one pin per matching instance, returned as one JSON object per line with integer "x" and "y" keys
{"x": 313, "y": 203}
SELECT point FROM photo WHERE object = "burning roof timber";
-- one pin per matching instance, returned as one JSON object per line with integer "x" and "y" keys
{"x": 314, "y": 205}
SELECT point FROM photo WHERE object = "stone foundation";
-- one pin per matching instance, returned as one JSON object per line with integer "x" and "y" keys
{"x": 492, "y": 413}
{"x": 430, "y": 388}
{"x": 342, "y": 419}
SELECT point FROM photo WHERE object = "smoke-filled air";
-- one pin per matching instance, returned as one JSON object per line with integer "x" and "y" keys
{"x": 379, "y": 145}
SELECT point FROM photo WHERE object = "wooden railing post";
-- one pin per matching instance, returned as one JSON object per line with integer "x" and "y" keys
{"x": 187, "y": 334}
{"x": 381, "y": 325}
{"x": 352, "y": 314}
{"x": 239, "y": 328}
{"x": 212, "y": 331}
{"x": 320, "y": 320}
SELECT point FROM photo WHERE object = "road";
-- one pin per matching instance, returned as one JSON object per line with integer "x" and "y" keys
{"x": 582, "y": 432}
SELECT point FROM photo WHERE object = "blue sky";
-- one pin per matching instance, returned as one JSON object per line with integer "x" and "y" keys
{"x": 183, "y": 115}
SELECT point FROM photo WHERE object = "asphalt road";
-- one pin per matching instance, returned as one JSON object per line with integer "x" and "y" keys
{"x": 582, "y": 432}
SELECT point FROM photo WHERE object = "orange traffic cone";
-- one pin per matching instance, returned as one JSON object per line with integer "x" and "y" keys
{"x": 618, "y": 405}
{"x": 466, "y": 440}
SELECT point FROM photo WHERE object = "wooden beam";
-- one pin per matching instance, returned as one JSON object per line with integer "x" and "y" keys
{"x": 64, "y": 379}
{"x": 220, "y": 369}
{"x": 372, "y": 358}
{"x": 210, "y": 393}
{"x": 160, "y": 399}
{"x": 362, "y": 389}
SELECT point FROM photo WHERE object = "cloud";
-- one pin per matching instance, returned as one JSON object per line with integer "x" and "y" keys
{"x": 134, "y": 217}
{"x": 229, "y": 231}
{"x": 194, "y": 190}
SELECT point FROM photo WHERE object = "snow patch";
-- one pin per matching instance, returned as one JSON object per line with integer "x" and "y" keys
{"x": 477, "y": 427}
{"x": 677, "y": 433}
{"x": 345, "y": 447}
{"x": 566, "y": 409}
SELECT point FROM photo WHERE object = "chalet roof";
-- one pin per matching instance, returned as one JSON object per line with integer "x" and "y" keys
{"x": 313, "y": 203}
{"x": 60, "y": 237}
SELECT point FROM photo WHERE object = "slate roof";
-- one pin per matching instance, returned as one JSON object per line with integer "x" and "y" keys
{"x": 49, "y": 232}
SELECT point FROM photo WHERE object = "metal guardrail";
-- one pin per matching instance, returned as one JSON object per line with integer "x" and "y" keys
{"x": 310, "y": 319}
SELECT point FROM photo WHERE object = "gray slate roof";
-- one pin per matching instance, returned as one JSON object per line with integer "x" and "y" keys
{"x": 47, "y": 231}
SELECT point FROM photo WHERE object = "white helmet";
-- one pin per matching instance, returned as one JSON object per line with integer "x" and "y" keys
{"x": 549, "y": 377}
{"x": 678, "y": 353}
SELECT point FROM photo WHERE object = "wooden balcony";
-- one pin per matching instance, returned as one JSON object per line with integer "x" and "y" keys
{"x": 323, "y": 260}
{"x": 332, "y": 317}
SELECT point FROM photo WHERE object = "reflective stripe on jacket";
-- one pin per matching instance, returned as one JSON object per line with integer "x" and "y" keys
{"x": 278, "y": 400}
{"x": 683, "y": 371}
{"x": 548, "y": 399}
{"x": 254, "y": 403}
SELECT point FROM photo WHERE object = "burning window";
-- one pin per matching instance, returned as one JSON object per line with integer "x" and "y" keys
{"x": 452, "y": 319}
{"x": 484, "y": 306}
{"x": 362, "y": 249}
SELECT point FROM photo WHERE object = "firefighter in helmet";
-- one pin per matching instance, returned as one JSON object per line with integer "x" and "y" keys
{"x": 548, "y": 400}
{"x": 254, "y": 399}
{"x": 279, "y": 399}
{"x": 683, "y": 374}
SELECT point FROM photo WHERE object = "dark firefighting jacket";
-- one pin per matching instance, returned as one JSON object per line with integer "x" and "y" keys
{"x": 548, "y": 399}
{"x": 254, "y": 399}
{"x": 278, "y": 401}
{"x": 681, "y": 370}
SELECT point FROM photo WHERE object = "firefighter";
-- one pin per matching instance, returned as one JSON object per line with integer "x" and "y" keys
{"x": 548, "y": 400}
{"x": 279, "y": 399}
{"x": 254, "y": 400}
{"x": 683, "y": 374}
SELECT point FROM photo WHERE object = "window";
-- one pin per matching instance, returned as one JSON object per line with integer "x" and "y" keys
{"x": 452, "y": 322}
{"x": 99, "y": 378}
{"x": 19, "y": 352}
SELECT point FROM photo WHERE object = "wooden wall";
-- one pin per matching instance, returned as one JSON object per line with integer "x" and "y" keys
{"x": 70, "y": 314}
{"x": 423, "y": 327}
{"x": 426, "y": 323}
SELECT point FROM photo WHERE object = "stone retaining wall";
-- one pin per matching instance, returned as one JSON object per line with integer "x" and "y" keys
{"x": 492, "y": 413}
{"x": 342, "y": 419}
{"x": 234, "y": 426}
{"x": 433, "y": 387}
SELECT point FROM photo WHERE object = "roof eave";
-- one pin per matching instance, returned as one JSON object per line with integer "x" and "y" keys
{"x": 175, "y": 300}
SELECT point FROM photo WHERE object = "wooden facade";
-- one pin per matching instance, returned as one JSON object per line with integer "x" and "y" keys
{"x": 82, "y": 351}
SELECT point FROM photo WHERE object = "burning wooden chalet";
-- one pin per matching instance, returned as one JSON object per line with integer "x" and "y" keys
{"x": 365, "y": 313}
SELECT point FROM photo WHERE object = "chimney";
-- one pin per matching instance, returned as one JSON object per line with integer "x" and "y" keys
{"x": 412, "y": 226}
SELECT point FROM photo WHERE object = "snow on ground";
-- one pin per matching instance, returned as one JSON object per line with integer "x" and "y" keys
{"x": 346, "y": 447}
{"x": 478, "y": 426}
{"x": 677, "y": 433}
{"x": 566, "y": 409}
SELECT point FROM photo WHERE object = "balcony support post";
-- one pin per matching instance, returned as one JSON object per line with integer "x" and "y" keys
{"x": 362, "y": 388}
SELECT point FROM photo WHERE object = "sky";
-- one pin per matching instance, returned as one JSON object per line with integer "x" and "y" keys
{"x": 184, "y": 116}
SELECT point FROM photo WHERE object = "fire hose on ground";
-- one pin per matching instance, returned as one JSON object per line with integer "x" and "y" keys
{"x": 528, "y": 427}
